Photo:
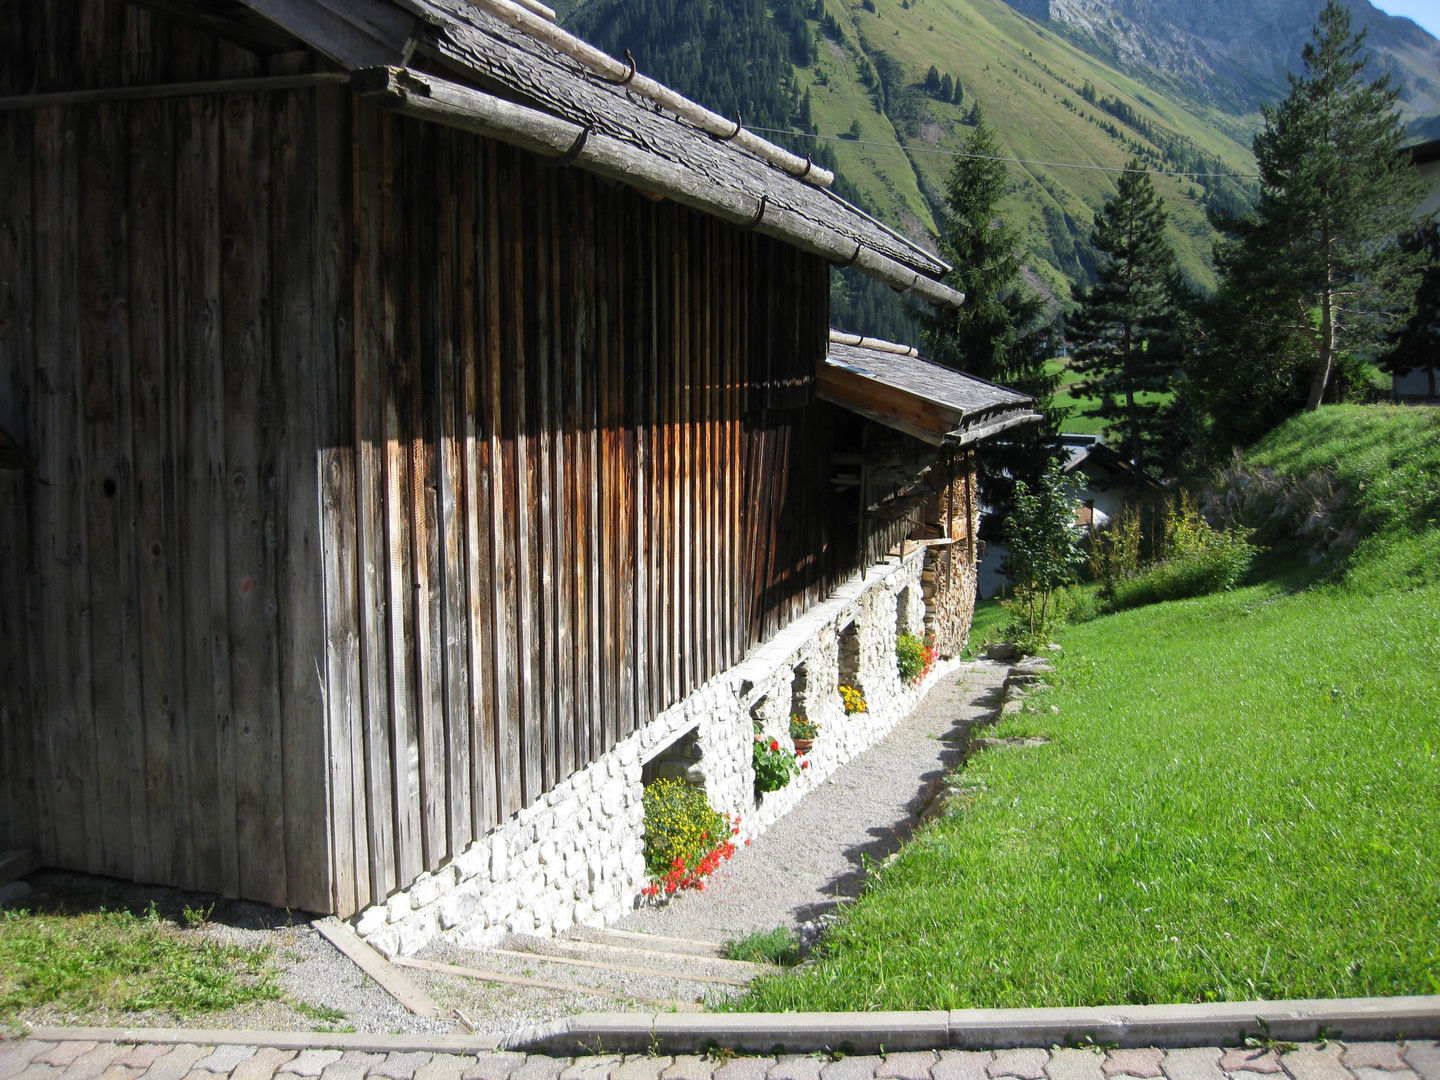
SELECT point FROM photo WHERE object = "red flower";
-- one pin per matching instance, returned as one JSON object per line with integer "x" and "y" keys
{"x": 774, "y": 744}
{"x": 804, "y": 764}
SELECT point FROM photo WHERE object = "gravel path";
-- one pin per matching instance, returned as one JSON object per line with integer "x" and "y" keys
{"x": 810, "y": 860}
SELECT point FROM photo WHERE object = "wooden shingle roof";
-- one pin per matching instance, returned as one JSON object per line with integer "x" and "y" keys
{"x": 893, "y": 385}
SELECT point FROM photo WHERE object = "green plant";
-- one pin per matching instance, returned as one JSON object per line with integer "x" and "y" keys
{"x": 779, "y": 946}
{"x": 774, "y": 765}
{"x": 679, "y": 824}
{"x": 1044, "y": 548}
{"x": 1191, "y": 559}
{"x": 853, "y": 700}
{"x": 913, "y": 658}
{"x": 803, "y": 728}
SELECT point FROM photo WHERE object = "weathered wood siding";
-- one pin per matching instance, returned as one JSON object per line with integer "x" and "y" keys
{"x": 164, "y": 263}
{"x": 588, "y": 476}
{"x": 385, "y": 475}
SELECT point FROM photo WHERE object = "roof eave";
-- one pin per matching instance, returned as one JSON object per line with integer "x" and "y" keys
{"x": 429, "y": 97}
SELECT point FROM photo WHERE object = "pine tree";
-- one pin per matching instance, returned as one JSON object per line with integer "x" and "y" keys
{"x": 959, "y": 97}
{"x": 932, "y": 80}
{"x": 1417, "y": 343}
{"x": 1002, "y": 332}
{"x": 1318, "y": 260}
{"x": 1124, "y": 326}
{"x": 947, "y": 87}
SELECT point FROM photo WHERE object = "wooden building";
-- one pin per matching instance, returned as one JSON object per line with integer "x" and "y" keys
{"x": 402, "y": 404}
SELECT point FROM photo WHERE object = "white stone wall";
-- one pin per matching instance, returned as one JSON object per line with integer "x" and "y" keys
{"x": 576, "y": 855}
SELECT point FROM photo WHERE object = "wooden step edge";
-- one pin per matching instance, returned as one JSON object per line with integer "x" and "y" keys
{"x": 482, "y": 975}
{"x": 623, "y": 968}
{"x": 580, "y": 945}
{"x": 377, "y": 967}
{"x": 711, "y": 947}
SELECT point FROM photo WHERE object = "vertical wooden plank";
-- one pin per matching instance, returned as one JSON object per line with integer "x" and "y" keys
{"x": 63, "y": 699}
{"x": 540, "y": 223}
{"x": 333, "y": 351}
{"x": 503, "y": 436}
{"x": 454, "y": 582}
{"x": 152, "y": 348}
{"x": 562, "y": 272}
{"x": 304, "y": 378}
{"x": 524, "y": 558}
{"x": 399, "y": 579}
{"x": 19, "y": 775}
{"x": 205, "y": 727}
{"x": 250, "y": 759}
{"x": 421, "y": 427}
{"x": 109, "y": 503}
{"x": 580, "y": 470}
{"x": 371, "y": 201}
{"x": 474, "y": 282}
{"x": 643, "y": 323}
{"x": 624, "y": 436}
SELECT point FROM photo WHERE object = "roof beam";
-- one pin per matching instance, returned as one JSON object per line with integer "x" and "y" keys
{"x": 428, "y": 97}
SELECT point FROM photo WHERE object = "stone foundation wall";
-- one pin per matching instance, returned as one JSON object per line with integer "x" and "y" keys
{"x": 576, "y": 855}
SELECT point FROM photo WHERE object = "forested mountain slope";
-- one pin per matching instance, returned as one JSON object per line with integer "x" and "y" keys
{"x": 867, "y": 77}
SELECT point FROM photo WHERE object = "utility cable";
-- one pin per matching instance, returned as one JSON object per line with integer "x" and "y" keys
{"x": 995, "y": 157}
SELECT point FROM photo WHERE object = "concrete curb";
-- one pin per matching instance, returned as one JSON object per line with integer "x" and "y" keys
{"x": 281, "y": 1040}
{"x": 1218, "y": 1024}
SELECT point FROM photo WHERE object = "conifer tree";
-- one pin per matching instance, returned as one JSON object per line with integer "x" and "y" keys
{"x": 1417, "y": 343}
{"x": 1318, "y": 262}
{"x": 1003, "y": 332}
{"x": 1123, "y": 328}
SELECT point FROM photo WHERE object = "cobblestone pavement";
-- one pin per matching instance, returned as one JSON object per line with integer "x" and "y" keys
{"x": 31, "y": 1059}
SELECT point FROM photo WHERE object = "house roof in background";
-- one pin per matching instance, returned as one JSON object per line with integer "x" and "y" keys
{"x": 1423, "y": 153}
{"x": 893, "y": 385}
{"x": 1106, "y": 467}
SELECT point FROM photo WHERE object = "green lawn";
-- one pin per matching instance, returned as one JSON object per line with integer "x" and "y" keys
{"x": 1071, "y": 395}
{"x": 1241, "y": 799}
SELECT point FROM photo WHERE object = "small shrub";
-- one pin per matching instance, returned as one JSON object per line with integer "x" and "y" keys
{"x": 853, "y": 700}
{"x": 913, "y": 657}
{"x": 779, "y": 946}
{"x": 1193, "y": 560}
{"x": 679, "y": 825}
{"x": 774, "y": 765}
{"x": 803, "y": 728}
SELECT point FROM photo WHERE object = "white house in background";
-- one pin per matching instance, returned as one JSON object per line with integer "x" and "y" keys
{"x": 1104, "y": 480}
{"x": 1422, "y": 384}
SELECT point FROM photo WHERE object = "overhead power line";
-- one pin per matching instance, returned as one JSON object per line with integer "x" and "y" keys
{"x": 995, "y": 157}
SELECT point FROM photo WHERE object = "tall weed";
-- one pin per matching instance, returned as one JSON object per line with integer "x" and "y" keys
{"x": 1188, "y": 557}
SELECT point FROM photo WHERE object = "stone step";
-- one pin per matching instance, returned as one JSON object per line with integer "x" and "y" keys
{"x": 597, "y": 950}
{"x": 650, "y": 942}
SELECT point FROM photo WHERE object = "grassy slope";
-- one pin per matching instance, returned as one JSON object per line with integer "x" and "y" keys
{"x": 1073, "y": 396}
{"x": 1018, "y": 71}
{"x": 1239, "y": 800}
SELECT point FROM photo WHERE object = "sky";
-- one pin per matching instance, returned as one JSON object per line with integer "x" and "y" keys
{"x": 1424, "y": 12}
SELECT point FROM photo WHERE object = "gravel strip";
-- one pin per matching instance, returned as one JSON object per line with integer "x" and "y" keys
{"x": 809, "y": 861}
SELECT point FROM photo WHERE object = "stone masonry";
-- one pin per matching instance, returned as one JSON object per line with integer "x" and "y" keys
{"x": 576, "y": 855}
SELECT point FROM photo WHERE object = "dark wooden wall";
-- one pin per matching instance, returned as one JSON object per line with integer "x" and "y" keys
{"x": 164, "y": 263}
{"x": 385, "y": 476}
